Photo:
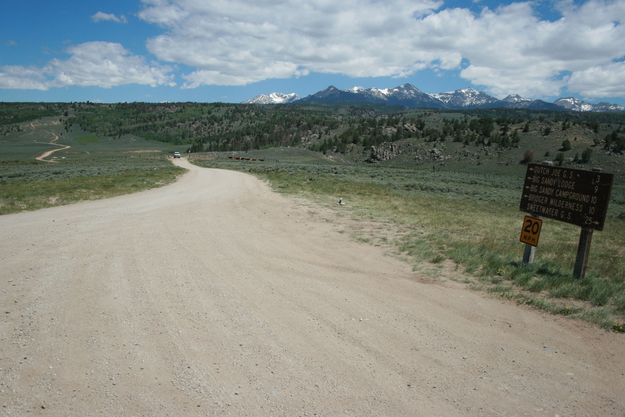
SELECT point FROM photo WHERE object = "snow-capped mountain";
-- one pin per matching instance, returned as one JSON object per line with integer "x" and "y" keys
{"x": 574, "y": 104}
{"x": 465, "y": 97}
{"x": 274, "y": 98}
{"x": 409, "y": 96}
{"x": 333, "y": 95}
{"x": 403, "y": 91}
{"x": 607, "y": 107}
{"x": 381, "y": 93}
{"x": 516, "y": 99}
{"x": 406, "y": 95}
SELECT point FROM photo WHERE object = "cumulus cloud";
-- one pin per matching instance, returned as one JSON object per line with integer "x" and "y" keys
{"x": 600, "y": 81}
{"x": 108, "y": 17}
{"x": 99, "y": 64}
{"x": 16, "y": 77}
{"x": 510, "y": 49}
{"x": 106, "y": 64}
{"x": 239, "y": 42}
{"x": 208, "y": 77}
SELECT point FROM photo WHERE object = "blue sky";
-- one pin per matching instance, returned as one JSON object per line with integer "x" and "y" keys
{"x": 193, "y": 50}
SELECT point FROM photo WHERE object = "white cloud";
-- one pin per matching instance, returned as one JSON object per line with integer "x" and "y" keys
{"x": 509, "y": 49}
{"x": 208, "y": 77}
{"x": 512, "y": 50}
{"x": 108, "y": 17}
{"x": 99, "y": 64}
{"x": 600, "y": 81}
{"x": 16, "y": 77}
{"x": 239, "y": 42}
{"x": 106, "y": 64}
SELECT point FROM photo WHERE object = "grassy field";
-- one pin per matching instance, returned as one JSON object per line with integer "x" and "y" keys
{"x": 450, "y": 206}
{"x": 461, "y": 221}
{"x": 93, "y": 167}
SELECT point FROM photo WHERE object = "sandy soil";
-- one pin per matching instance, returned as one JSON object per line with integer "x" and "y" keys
{"x": 214, "y": 296}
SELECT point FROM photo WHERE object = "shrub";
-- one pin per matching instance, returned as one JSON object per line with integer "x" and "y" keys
{"x": 566, "y": 145}
{"x": 528, "y": 156}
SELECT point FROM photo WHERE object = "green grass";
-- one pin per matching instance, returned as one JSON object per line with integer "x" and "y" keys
{"x": 94, "y": 167}
{"x": 35, "y": 194}
{"x": 87, "y": 139}
{"x": 470, "y": 217}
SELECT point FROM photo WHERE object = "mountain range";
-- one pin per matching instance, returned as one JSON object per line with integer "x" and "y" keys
{"x": 409, "y": 96}
{"x": 274, "y": 98}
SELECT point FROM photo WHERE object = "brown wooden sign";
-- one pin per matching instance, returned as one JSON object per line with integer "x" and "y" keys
{"x": 570, "y": 195}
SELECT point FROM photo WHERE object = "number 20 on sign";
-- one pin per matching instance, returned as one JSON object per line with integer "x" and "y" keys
{"x": 530, "y": 232}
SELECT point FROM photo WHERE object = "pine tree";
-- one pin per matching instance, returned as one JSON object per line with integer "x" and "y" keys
{"x": 566, "y": 145}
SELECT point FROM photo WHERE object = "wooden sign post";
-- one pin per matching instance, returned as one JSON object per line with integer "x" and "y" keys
{"x": 583, "y": 249}
{"x": 570, "y": 195}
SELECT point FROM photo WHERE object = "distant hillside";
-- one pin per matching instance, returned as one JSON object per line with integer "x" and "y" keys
{"x": 371, "y": 133}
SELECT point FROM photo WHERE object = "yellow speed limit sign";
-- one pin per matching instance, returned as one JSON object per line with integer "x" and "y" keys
{"x": 530, "y": 232}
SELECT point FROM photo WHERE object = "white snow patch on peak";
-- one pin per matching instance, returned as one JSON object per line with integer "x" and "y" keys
{"x": 376, "y": 92}
{"x": 358, "y": 89}
{"x": 381, "y": 91}
{"x": 608, "y": 107}
{"x": 444, "y": 97}
{"x": 572, "y": 103}
{"x": 575, "y": 104}
{"x": 515, "y": 98}
{"x": 274, "y": 98}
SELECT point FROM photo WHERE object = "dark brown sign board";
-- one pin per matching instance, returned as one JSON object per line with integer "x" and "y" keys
{"x": 570, "y": 195}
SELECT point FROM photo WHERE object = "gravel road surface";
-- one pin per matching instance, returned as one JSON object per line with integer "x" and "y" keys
{"x": 214, "y": 296}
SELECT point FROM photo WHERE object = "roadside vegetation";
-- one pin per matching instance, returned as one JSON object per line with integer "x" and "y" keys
{"x": 460, "y": 223}
{"x": 73, "y": 186}
{"x": 445, "y": 185}
{"x": 93, "y": 167}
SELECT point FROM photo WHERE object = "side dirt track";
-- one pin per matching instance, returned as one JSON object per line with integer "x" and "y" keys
{"x": 55, "y": 138}
{"x": 215, "y": 296}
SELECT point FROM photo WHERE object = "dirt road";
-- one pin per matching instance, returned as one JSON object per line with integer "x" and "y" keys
{"x": 214, "y": 296}
{"x": 43, "y": 126}
{"x": 55, "y": 137}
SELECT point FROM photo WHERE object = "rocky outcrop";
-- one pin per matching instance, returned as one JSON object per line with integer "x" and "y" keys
{"x": 391, "y": 150}
{"x": 384, "y": 152}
